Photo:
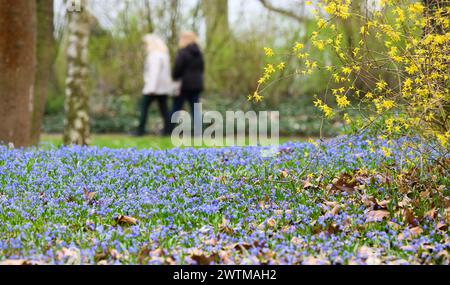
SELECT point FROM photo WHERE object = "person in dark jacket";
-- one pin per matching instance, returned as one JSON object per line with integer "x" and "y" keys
{"x": 189, "y": 69}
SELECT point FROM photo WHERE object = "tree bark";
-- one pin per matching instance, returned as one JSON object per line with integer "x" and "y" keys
{"x": 17, "y": 70}
{"x": 76, "y": 123}
{"x": 148, "y": 16}
{"x": 45, "y": 58}
{"x": 217, "y": 25}
{"x": 174, "y": 29}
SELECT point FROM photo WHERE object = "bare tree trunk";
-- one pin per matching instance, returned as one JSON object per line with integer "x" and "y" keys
{"x": 217, "y": 25}
{"x": 174, "y": 18}
{"x": 17, "y": 69}
{"x": 148, "y": 16}
{"x": 217, "y": 36}
{"x": 45, "y": 57}
{"x": 76, "y": 123}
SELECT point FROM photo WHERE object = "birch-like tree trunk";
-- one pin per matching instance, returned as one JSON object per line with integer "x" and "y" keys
{"x": 76, "y": 123}
{"x": 17, "y": 70}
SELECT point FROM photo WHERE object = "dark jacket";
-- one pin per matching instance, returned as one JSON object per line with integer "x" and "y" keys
{"x": 189, "y": 68}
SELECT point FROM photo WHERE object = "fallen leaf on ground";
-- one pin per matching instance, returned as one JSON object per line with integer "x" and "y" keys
{"x": 126, "y": 221}
{"x": 335, "y": 210}
{"x": 89, "y": 196}
{"x": 441, "y": 226}
{"x": 14, "y": 262}
{"x": 383, "y": 204}
{"x": 271, "y": 223}
{"x": 224, "y": 227}
{"x": 344, "y": 183}
{"x": 202, "y": 258}
{"x": 393, "y": 225}
{"x": 431, "y": 214}
{"x": 377, "y": 216}
{"x": 284, "y": 173}
{"x": 409, "y": 218}
{"x": 224, "y": 198}
{"x": 72, "y": 256}
{"x": 311, "y": 260}
{"x": 414, "y": 232}
{"x": 241, "y": 246}
{"x": 308, "y": 185}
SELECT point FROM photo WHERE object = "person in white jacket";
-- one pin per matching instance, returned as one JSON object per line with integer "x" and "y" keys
{"x": 158, "y": 82}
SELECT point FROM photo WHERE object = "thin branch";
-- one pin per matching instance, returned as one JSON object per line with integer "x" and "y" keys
{"x": 282, "y": 11}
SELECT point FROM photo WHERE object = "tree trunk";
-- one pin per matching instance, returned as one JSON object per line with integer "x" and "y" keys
{"x": 148, "y": 16}
{"x": 76, "y": 123}
{"x": 17, "y": 70}
{"x": 217, "y": 25}
{"x": 45, "y": 58}
{"x": 174, "y": 18}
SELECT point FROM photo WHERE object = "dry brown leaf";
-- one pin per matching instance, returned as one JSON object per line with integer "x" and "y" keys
{"x": 406, "y": 202}
{"x": 330, "y": 204}
{"x": 89, "y": 196}
{"x": 223, "y": 198}
{"x": 425, "y": 194}
{"x": 441, "y": 226}
{"x": 369, "y": 201}
{"x": 271, "y": 223}
{"x": 393, "y": 225}
{"x": 377, "y": 215}
{"x": 407, "y": 247}
{"x": 311, "y": 260}
{"x": 431, "y": 214}
{"x": 262, "y": 205}
{"x": 335, "y": 210}
{"x": 126, "y": 221}
{"x": 284, "y": 173}
{"x": 333, "y": 228}
{"x": 444, "y": 255}
{"x": 307, "y": 184}
{"x": 416, "y": 231}
{"x": 447, "y": 213}
{"x": 240, "y": 247}
{"x": 409, "y": 218}
{"x": 296, "y": 241}
{"x": 225, "y": 228}
{"x": 202, "y": 258}
{"x": 345, "y": 183}
{"x": 72, "y": 256}
{"x": 447, "y": 202}
{"x": 13, "y": 262}
{"x": 222, "y": 179}
{"x": 383, "y": 204}
{"x": 225, "y": 257}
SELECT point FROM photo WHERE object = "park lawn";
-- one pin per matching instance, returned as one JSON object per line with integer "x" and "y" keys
{"x": 343, "y": 202}
{"x": 117, "y": 141}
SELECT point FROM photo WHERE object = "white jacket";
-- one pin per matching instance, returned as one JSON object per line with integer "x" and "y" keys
{"x": 157, "y": 75}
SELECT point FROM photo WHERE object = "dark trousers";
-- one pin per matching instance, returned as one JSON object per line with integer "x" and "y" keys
{"x": 191, "y": 97}
{"x": 163, "y": 108}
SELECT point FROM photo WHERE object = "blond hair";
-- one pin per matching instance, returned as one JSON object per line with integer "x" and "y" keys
{"x": 154, "y": 43}
{"x": 188, "y": 38}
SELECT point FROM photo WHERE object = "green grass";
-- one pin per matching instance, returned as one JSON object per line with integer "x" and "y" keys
{"x": 117, "y": 141}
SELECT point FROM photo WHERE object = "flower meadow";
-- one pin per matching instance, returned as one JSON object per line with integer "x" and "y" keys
{"x": 343, "y": 201}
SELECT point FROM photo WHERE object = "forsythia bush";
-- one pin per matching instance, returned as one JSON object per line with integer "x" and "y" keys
{"x": 408, "y": 42}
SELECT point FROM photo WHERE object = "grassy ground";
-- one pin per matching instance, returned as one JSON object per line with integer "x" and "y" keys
{"x": 117, "y": 141}
{"x": 344, "y": 202}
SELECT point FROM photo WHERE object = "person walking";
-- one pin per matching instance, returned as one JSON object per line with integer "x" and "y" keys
{"x": 158, "y": 82}
{"x": 189, "y": 71}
